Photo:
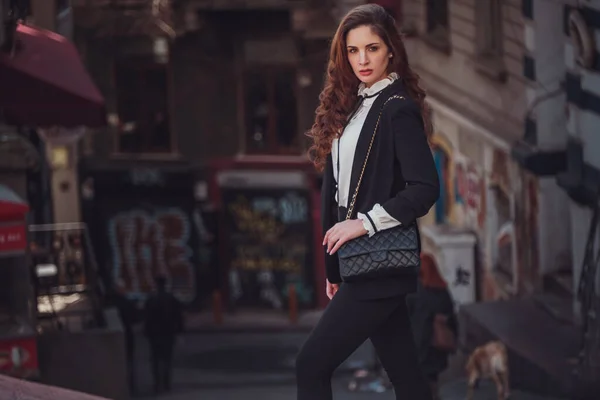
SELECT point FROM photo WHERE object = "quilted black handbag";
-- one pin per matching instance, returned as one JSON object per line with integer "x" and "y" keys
{"x": 389, "y": 252}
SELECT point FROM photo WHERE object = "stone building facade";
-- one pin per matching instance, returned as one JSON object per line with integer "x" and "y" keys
{"x": 513, "y": 88}
{"x": 473, "y": 59}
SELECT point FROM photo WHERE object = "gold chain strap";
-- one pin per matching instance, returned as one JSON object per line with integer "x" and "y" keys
{"x": 351, "y": 208}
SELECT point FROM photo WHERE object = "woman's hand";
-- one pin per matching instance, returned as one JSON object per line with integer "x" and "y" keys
{"x": 331, "y": 289}
{"x": 342, "y": 232}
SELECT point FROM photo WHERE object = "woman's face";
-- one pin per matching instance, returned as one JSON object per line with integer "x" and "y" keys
{"x": 368, "y": 55}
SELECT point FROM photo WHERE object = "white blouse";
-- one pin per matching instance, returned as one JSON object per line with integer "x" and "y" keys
{"x": 348, "y": 142}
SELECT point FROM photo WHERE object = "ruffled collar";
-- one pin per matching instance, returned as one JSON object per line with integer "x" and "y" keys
{"x": 363, "y": 90}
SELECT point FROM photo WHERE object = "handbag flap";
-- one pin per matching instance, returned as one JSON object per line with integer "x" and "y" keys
{"x": 402, "y": 238}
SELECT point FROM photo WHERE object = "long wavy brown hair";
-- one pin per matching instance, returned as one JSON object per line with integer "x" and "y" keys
{"x": 339, "y": 95}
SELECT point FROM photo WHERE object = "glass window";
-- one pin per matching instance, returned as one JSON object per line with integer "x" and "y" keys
{"x": 142, "y": 106}
{"x": 490, "y": 28}
{"x": 271, "y": 110}
{"x": 437, "y": 16}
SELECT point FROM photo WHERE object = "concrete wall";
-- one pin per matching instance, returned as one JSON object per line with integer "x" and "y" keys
{"x": 89, "y": 361}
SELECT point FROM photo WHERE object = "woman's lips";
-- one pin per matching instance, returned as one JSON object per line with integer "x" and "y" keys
{"x": 365, "y": 72}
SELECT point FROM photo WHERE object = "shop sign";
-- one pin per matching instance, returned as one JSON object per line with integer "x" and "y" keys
{"x": 12, "y": 238}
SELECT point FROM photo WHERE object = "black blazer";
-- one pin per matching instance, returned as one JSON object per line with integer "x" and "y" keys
{"x": 400, "y": 175}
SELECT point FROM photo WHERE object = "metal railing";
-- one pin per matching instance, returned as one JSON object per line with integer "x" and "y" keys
{"x": 68, "y": 302}
{"x": 588, "y": 371}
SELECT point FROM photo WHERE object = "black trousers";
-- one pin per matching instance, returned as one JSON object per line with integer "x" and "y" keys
{"x": 161, "y": 353}
{"x": 130, "y": 356}
{"x": 346, "y": 323}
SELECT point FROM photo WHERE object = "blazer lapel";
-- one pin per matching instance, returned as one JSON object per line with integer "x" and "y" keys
{"x": 364, "y": 139}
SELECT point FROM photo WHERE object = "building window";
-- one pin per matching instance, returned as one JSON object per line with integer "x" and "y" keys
{"x": 271, "y": 121}
{"x": 438, "y": 32}
{"x": 489, "y": 17}
{"x": 142, "y": 107}
{"x": 489, "y": 38}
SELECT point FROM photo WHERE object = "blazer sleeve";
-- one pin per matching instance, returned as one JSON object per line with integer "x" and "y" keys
{"x": 416, "y": 163}
{"x": 332, "y": 268}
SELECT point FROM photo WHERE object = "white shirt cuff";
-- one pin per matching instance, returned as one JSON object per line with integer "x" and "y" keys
{"x": 367, "y": 224}
{"x": 381, "y": 220}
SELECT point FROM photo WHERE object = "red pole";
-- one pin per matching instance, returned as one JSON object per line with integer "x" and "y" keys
{"x": 293, "y": 303}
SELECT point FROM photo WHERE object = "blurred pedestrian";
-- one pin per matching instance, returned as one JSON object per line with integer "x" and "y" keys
{"x": 163, "y": 322}
{"x": 128, "y": 315}
{"x": 370, "y": 89}
{"x": 434, "y": 322}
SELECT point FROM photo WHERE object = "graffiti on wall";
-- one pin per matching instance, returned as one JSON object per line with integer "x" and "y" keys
{"x": 462, "y": 186}
{"x": 485, "y": 204}
{"x": 442, "y": 265}
{"x": 469, "y": 201}
{"x": 145, "y": 243}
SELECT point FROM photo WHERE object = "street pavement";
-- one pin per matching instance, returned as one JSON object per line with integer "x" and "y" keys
{"x": 260, "y": 366}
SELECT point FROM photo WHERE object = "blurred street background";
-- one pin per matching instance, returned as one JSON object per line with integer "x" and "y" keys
{"x": 260, "y": 366}
{"x": 166, "y": 137}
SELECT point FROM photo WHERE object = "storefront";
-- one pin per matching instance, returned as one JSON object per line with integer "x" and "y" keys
{"x": 18, "y": 350}
{"x": 269, "y": 233}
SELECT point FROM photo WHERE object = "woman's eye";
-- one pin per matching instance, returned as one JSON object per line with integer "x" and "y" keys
{"x": 352, "y": 51}
{"x": 373, "y": 49}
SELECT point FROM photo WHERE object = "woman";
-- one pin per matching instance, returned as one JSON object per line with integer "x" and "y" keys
{"x": 432, "y": 299}
{"x": 367, "y": 66}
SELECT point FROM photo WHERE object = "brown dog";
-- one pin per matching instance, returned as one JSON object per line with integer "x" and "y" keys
{"x": 489, "y": 361}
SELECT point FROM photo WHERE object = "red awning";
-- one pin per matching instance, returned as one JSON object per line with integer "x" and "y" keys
{"x": 12, "y": 207}
{"x": 44, "y": 83}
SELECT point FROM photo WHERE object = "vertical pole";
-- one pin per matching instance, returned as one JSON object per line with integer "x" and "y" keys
{"x": 293, "y": 303}
{"x": 217, "y": 307}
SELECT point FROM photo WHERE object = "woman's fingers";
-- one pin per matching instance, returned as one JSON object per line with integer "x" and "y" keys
{"x": 338, "y": 244}
{"x": 333, "y": 239}
{"x": 335, "y": 290}
{"x": 328, "y": 234}
{"x": 329, "y": 290}
{"x": 325, "y": 237}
